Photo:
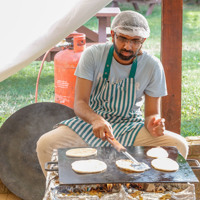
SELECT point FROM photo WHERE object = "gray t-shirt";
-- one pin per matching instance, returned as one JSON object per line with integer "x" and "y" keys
{"x": 149, "y": 77}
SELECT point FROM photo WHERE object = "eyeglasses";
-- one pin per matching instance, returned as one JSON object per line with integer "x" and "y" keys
{"x": 124, "y": 40}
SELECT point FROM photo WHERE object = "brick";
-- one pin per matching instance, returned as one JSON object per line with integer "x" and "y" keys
{"x": 197, "y": 185}
{"x": 190, "y": 150}
{"x": 194, "y": 145}
{"x": 194, "y": 153}
{"x": 195, "y": 158}
{"x": 194, "y": 150}
{"x": 193, "y": 139}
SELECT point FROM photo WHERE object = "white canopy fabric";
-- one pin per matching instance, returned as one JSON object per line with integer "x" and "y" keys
{"x": 29, "y": 28}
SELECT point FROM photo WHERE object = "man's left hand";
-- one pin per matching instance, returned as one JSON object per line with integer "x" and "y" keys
{"x": 156, "y": 126}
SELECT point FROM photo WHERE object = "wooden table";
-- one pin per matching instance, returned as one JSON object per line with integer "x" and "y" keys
{"x": 104, "y": 21}
{"x": 150, "y": 3}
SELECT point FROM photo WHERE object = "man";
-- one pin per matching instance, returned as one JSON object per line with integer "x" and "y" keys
{"x": 112, "y": 82}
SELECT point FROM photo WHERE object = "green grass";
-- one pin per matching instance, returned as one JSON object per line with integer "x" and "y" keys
{"x": 190, "y": 112}
{"x": 19, "y": 90}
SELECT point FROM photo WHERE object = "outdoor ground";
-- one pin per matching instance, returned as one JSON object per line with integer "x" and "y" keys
{"x": 9, "y": 197}
{"x": 19, "y": 90}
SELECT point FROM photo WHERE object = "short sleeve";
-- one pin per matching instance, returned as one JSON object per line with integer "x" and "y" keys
{"x": 157, "y": 84}
{"x": 85, "y": 67}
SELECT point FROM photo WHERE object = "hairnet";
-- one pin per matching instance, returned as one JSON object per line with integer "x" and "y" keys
{"x": 131, "y": 23}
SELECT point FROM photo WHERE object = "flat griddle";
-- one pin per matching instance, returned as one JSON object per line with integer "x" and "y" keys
{"x": 114, "y": 175}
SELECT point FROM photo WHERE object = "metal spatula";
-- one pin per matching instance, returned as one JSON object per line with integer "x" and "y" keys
{"x": 120, "y": 148}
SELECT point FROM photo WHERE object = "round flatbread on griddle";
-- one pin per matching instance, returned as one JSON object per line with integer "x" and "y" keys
{"x": 157, "y": 152}
{"x": 81, "y": 152}
{"x": 89, "y": 166}
{"x": 165, "y": 164}
{"x": 126, "y": 165}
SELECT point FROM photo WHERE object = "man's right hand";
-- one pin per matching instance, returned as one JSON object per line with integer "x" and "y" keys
{"x": 83, "y": 110}
{"x": 101, "y": 128}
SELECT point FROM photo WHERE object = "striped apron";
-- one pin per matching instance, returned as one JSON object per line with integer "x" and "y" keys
{"x": 114, "y": 102}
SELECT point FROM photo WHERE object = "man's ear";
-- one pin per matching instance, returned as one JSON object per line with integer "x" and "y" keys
{"x": 112, "y": 35}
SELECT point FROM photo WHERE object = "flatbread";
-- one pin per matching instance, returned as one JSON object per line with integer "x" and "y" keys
{"x": 125, "y": 164}
{"x": 165, "y": 164}
{"x": 157, "y": 152}
{"x": 89, "y": 166}
{"x": 81, "y": 152}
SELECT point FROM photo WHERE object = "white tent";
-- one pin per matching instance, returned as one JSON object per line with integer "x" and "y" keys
{"x": 31, "y": 27}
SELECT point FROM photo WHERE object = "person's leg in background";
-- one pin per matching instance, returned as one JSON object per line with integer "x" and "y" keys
{"x": 61, "y": 137}
{"x": 144, "y": 138}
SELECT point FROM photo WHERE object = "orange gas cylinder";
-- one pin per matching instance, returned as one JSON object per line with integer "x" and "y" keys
{"x": 65, "y": 63}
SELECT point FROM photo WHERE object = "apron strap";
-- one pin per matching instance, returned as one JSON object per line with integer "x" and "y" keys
{"x": 109, "y": 61}
{"x": 133, "y": 68}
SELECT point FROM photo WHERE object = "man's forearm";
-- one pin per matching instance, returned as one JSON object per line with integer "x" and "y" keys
{"x": 84, "y": 111}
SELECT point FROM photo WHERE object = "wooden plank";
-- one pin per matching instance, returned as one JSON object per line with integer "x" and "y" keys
{"x": 171, "y": 54}
{"x": 150, "y": 9}
{"x": 93, "y": 36}
{"x": 102, "y": 29}
{"x": 104, "y": 19}
{"x": 108, "y": 12}
{"x": 135, "y": 5}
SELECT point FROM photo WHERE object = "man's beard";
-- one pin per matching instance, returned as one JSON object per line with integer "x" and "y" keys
{"x": 121, "y": 56}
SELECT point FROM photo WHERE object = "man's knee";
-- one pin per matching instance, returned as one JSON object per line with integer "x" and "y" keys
{"x": 46, "y": 142}
{"x": 41, "y": 143}
{"x": 180, "y": 142}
